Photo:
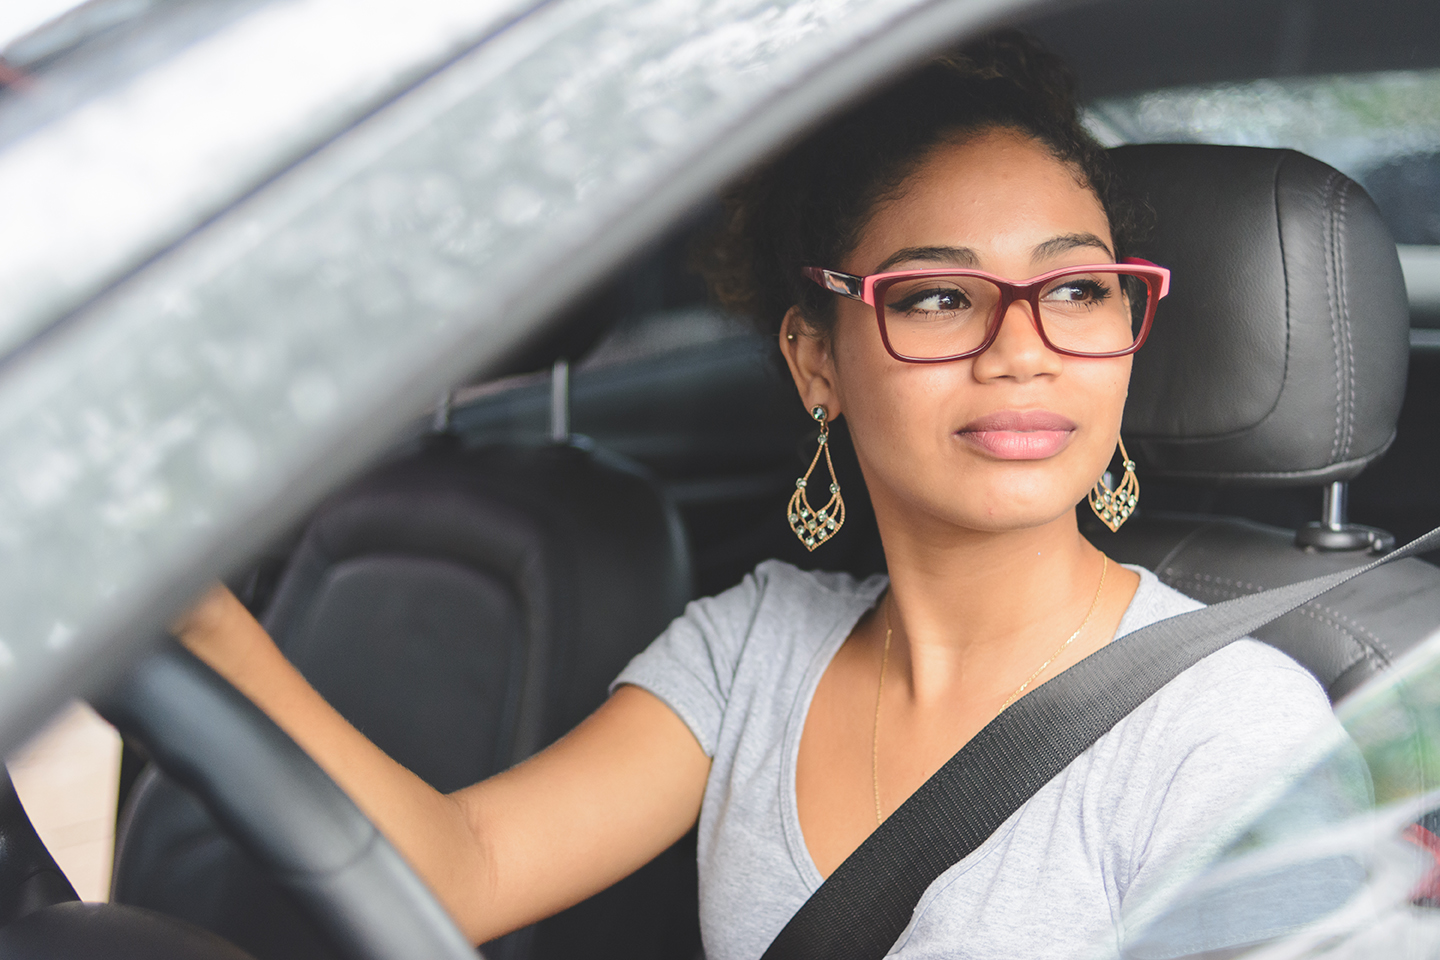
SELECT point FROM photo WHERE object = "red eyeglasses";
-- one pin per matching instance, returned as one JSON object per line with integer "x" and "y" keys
{"x": 933, "y": 316}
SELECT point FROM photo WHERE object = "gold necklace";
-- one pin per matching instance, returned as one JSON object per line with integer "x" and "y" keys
{"x": 1094, "y": 602}
{"x": 875, "y": 736}
{"x": 885, "y": 660}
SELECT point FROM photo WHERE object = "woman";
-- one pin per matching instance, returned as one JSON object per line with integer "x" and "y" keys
{"x": 794, "y": 712}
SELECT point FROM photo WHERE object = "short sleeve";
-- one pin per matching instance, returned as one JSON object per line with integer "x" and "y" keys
{"x": 1253, "y": 733}
{"x": 691, "y": 666}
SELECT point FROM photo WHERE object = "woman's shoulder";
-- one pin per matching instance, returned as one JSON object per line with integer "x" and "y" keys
{"x": 1246, "y": 718}
{"x": 784, "y": 608}
{"x": 1244, "y": 687}
{"x": 781, "y": 579}
{"x": 1154, "y": 600}
{"x": 774, "y": 620}
{"x": 777, "y": 593}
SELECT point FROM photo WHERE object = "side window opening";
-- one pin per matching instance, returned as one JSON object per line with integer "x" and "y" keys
{"x": 1381, "y": 129}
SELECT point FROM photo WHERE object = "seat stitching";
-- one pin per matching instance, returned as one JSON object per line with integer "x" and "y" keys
{"x": 1176, "y": 550}
{"x": 1335, "y": 618}
{"x": 1330, "y": 290}
{"x": 1345, "y": 325}
{"x": 1307, "y": 472}
{"x": 1375, "y": 649}
{"x": 1366, "y": 644}
{"x": 1369, "y": 643}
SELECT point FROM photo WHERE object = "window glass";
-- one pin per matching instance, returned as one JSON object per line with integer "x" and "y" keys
{"x": 1382, "y": 129}
{"x": 217, "y": 391}
{"x": 1341, "y": 860}
{"x": 19, "y": 17}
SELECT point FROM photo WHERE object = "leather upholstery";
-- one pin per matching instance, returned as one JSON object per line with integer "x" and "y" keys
{"x": 275, "y": 800}
{"x": 1344, "y": 637}
{"x": 1279, "y": 358}
{"x": 105, "y": 931}
{"x": 30, "y": 880}
{"x": 463, "y": 608}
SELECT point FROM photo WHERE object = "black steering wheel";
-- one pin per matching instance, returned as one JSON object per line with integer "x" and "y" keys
{"x": 286, "y": 812}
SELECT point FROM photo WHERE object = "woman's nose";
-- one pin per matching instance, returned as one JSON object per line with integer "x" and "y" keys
{"x": 1018, "y": 352}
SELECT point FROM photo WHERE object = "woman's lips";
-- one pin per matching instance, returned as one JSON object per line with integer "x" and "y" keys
{"x": 1019, "y": 434}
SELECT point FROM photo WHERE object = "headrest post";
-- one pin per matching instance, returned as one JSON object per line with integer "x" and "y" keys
{"x": 1335, "y": 532}
{"x": 1336, "y": 508}
{"x": 560, "y": 401}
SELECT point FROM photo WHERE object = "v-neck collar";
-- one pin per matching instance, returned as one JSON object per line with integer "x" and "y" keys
{"x": 862, "y": 601}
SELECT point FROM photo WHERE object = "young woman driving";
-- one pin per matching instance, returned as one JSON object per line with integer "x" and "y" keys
{"x": 792, "y": 713}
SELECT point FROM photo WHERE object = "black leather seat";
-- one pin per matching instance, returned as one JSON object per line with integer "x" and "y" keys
{"x": 41, "y": 917}
{"x": 463, "y": 608}
{"x": 1278, "y": 360}
{"x": 108, "y": 931}
{"x": 30, "y": 879}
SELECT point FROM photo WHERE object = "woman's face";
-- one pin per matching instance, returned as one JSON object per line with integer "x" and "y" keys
{"x": 1014, "y": 437}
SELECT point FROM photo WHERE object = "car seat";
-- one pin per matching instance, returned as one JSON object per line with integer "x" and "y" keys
{"x": 1278, "y": 361}
{"x": 463, "y": 608}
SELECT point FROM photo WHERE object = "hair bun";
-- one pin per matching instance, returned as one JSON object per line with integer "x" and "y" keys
{"x": 1019, "y": 61}
{"x": 809, "y": 205}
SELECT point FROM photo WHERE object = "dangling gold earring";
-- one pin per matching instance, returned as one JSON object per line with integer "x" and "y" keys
{"x": 812, "y": 526}
{"x": 1114, "y": 507}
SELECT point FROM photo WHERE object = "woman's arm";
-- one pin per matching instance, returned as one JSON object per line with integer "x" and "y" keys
{"x": 568, "y": 822}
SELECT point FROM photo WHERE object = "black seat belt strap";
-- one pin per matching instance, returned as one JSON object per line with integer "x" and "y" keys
{"x": 864, "y": 906}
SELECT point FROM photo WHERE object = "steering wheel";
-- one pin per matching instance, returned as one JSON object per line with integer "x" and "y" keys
{"x": 286, "y": 812}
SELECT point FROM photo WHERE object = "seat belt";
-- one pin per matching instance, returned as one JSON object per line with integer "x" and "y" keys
{"x": 864, "y": 906}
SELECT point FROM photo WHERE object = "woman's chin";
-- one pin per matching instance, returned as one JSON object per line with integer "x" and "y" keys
{"x": 1006, "y": 514}
{"x": 1015, "y": 522}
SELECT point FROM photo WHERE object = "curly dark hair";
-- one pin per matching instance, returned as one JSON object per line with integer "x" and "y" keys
{"x": 808, "y": 206}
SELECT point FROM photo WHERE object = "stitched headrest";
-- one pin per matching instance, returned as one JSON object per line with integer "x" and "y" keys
{"x": 1279, "y": 358}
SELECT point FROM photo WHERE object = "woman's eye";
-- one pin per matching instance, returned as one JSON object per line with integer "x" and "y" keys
{"x": 1079, "y": 291}
{"x": 935, "y": 300}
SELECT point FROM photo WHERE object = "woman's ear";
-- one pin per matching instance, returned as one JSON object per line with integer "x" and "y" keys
{"x": 812, "y": 365}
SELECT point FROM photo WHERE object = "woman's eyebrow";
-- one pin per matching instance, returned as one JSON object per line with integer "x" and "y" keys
{"x": 1067, "y": 242}
{"x": 944, "y": 256}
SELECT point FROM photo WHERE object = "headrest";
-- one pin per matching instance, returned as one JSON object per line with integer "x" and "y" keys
{"x": 1279, "y": 358}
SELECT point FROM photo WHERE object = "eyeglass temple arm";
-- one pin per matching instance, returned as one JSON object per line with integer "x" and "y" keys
{"x": 1164, "y": 275}
{"x": 842, "y": 283}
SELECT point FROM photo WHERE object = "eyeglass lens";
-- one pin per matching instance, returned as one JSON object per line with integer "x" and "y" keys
{"x": 930, "y": 317}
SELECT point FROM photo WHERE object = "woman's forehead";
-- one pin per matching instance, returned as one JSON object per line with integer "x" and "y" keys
{"x": 968, "y": 257}
{"x": 998, "y": 194}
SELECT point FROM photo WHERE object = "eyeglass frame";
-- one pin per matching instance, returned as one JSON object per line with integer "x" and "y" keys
{"x": 869, "y": 289}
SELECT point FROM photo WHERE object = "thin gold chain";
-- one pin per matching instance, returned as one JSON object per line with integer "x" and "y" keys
{"x": 875, "y": 736}
{"x": 1094, "y": 602}
{"x": 885, "y": 660}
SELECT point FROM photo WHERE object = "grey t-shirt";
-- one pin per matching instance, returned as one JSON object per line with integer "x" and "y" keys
{"x": 741, "y": 668}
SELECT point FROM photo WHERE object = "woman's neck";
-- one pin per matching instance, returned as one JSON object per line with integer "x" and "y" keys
{"x": 975, "y": 613}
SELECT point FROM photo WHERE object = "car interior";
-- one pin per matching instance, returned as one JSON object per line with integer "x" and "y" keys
{"x": 471, "y": 597}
